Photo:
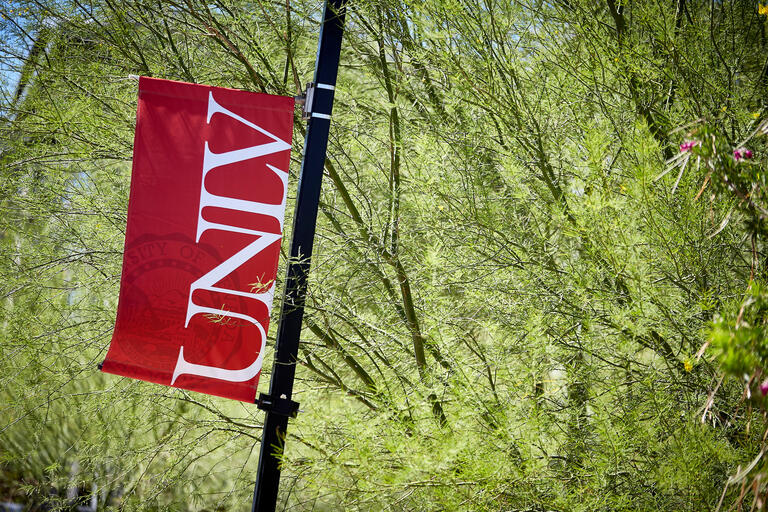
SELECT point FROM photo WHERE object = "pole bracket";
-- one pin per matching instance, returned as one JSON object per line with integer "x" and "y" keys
{"x": 316, "y": 101}
{"x": 306, "y": 107}
{"x": 282, "y": 406}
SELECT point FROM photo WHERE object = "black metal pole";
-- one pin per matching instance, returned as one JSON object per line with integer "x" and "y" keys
{"x": 278, "y": 403}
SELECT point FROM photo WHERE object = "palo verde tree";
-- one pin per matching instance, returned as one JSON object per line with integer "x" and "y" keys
{"x": 516, "y": 270}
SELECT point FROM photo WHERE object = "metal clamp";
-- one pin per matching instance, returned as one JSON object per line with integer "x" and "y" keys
{"x": 282, "y": 406}
{"x": 307, "y": 101}
{"x": 309, "y": 96}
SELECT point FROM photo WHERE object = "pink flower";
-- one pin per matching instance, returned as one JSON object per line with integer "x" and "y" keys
{"x": 687, "y": 145}
{"x": 740, "y": 153}
{"x": 764, "y": 387}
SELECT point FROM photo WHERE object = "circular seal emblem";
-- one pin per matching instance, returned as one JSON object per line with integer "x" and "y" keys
{"x": 158, "y": 272}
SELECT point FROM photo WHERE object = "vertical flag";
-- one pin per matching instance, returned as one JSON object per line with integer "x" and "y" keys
{"x": 205, "y": 221}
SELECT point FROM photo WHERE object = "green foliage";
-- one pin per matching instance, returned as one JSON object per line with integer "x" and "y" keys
{"x": 740, "y": 336}
{"x": 515, "y": 274}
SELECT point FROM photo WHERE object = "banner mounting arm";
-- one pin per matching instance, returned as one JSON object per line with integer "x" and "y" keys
{"x": 278, "y": 405}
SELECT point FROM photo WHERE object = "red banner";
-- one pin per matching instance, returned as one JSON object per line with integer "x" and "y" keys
{"x": 205, "y": 219}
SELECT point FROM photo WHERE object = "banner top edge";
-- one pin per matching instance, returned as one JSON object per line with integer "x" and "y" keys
{"x": 159, "y": 85}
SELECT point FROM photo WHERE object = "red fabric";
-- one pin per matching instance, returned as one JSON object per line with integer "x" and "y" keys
{"x": 163, "y": 258}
